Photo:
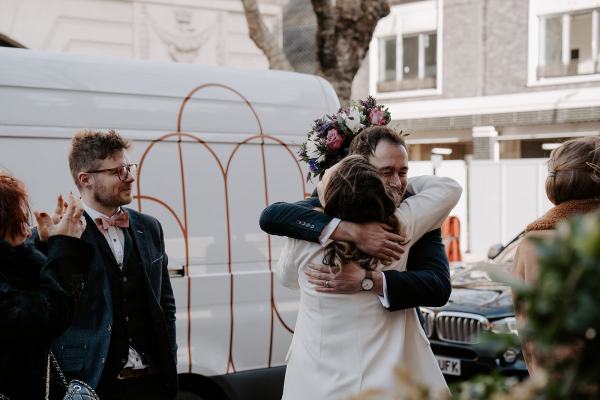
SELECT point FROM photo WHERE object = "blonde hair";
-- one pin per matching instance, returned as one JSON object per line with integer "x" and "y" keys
{"x": 574, "y": 170}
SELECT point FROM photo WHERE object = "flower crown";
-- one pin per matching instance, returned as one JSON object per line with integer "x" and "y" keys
{"x": 330, "y": 136}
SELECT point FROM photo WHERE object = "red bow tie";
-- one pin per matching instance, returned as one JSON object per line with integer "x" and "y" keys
{"x": 120, "y": 220}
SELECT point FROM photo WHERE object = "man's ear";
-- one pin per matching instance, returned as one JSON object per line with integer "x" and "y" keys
{"x": 84, "y": 179}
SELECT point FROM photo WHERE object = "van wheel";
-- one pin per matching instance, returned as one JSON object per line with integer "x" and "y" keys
{"x": 185, "y": 395}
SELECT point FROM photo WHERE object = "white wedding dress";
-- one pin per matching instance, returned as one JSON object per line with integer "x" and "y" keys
{"x": 347, "y": 343}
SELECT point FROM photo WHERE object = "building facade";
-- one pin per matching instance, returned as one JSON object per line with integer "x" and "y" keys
{"x": 192, "y": 31}
{"x": 496, "y": 79}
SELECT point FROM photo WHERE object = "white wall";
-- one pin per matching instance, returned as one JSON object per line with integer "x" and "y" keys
{"x": 504, "y": 197}
{"x": 499, "y": 198}
{"x": 200, "y": 31}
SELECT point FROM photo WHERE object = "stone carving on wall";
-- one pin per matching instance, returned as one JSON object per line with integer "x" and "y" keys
{"x": 183, "y": 36}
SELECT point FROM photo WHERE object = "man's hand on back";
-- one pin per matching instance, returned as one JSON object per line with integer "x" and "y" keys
{"x": 372, "y": 238}
{"x": 348, "y": 280}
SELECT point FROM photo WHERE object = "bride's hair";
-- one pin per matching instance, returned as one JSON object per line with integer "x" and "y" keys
{"x": 356, "y": 193}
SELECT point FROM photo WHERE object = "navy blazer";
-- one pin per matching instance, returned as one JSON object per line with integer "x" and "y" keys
{"x": 426, "y": 281}
{"x": 83, "y": 347}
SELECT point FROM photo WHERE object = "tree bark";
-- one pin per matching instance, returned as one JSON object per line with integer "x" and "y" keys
{"x": 344, "y": 33}
{"x": 354, "y": 25}
{"x": 325, "y": 34}
{"x": 260, "y": 35}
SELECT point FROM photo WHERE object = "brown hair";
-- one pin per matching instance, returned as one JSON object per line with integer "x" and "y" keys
{"x": 356, "y": 193}
{"x": 14, "y": 207}
{"x": 89, "y": 147}
{"x": 574, "y": 170}
{"x": 366, "y": 142}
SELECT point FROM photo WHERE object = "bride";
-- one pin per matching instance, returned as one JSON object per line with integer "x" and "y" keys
{"x": 344, "y": 344}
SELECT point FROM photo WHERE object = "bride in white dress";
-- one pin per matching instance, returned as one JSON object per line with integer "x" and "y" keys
{"x": 346, "y": 343}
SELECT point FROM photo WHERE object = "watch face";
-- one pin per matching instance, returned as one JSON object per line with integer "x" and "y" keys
{"x": 367, "y": 284}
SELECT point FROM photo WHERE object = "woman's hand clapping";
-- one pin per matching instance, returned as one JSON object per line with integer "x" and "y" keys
{"x": 67, "y": 219}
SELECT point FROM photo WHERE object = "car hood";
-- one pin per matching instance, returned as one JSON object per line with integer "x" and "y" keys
{"x": 476, "y": 289}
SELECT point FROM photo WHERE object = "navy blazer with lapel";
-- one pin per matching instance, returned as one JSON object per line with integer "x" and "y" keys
{"x": 426, "y": 281}
{"x": 82, "y": 349}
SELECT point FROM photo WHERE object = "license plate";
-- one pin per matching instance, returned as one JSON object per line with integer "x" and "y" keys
{"x": 449, "y": 366}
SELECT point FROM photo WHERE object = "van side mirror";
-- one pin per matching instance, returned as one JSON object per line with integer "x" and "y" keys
{"x": 494, "y": 250}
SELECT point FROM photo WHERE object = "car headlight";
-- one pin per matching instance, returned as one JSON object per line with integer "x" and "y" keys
{"x": 505, "y": 325}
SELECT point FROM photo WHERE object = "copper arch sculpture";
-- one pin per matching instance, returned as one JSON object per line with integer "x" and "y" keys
{"x": 183, "y": 223}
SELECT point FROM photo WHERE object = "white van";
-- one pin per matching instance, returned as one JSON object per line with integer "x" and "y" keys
{"x": 214, "y": 147}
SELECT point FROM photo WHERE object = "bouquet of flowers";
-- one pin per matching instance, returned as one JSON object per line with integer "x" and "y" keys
{"x": 329, "y": 139}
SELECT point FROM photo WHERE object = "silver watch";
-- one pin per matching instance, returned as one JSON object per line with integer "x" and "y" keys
{"x": 367, "y": 283}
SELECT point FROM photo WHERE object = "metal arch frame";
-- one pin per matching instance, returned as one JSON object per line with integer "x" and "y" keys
{"x": 183, "y": 223}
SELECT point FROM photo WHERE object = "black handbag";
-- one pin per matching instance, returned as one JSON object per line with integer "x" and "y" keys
{"x": 76, "y": 389}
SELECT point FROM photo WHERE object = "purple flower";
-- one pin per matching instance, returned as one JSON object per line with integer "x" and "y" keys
{"x": 313, "y": 165}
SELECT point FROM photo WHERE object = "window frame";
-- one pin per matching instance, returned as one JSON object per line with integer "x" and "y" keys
{"x": 537, "y": 41}
{"x": 377, "y": 59}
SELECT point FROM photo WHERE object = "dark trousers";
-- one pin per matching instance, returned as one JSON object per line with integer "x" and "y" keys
{"x": 148, "y": 387}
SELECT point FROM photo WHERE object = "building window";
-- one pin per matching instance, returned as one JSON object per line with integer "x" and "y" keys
{"x": 409, "y": 63}
{"x": 388, "y": 50}
{"x": 569, "y": 44}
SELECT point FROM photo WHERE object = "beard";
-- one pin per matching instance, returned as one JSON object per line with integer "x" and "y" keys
{"x": 106, "y": 196}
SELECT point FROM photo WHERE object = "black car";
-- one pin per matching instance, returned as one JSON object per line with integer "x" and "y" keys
{"x": 477, "y": 304}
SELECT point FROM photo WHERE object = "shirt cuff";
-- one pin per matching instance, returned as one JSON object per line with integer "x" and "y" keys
{"x": 328, "y": 230}
{"x": 384, "y": 299}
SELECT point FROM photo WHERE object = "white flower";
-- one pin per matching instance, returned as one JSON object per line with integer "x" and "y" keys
{"x": 311, "y": 149}
{"x": 352, "y": 120}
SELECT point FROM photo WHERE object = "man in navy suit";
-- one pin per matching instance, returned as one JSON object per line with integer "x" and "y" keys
{"x": 427, "y": 279}
{"x": 122, "y": 338}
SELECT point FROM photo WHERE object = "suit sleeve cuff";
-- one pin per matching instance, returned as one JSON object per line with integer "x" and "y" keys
{"x": 384, "y": 299}
{"x": 328, "y": 230}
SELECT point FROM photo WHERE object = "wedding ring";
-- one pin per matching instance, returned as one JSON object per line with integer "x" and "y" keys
{"x": 327, "y": 284}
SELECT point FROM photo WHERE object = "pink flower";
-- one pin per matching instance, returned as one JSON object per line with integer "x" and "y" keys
{"x": 334, "y": 139}
{"x": 377, "y": 117}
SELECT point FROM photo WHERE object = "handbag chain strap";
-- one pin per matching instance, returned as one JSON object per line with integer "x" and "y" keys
{"x": 57, "y": 368}
{"x": 48, "y": 378}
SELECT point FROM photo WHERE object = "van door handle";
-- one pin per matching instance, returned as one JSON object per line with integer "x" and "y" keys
{"x": 177, "y": 271}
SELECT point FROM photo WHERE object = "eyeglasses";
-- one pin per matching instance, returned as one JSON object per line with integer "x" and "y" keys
{"x": 121, "y": 171}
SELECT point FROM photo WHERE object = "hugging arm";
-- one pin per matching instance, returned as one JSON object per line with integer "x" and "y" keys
{"x": 426, "y": 282}
{"x": 301, "y": 221}
{"x": 297, "y": 220}
{"x": 287, "y": 265}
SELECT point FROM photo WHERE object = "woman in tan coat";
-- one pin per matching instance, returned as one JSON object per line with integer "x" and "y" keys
{"x": 573, "y": 186}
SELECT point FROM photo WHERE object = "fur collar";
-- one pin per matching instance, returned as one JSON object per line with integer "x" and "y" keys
{"x": 20, "y": 266}
{"x": 563, "y": 211}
